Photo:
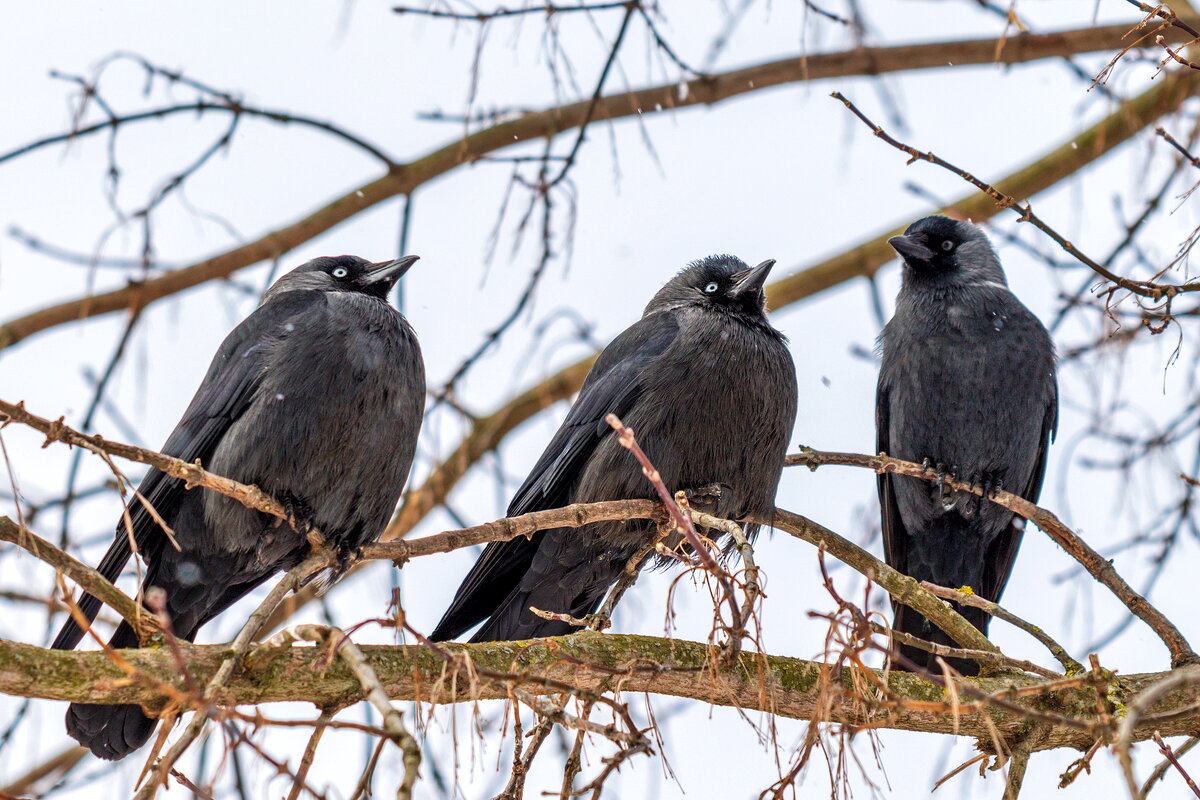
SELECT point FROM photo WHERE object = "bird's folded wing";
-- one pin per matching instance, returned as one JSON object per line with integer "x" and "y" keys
{"x": 1003, "y": 552}
{"x": 227, "y": 390}
{"x": 895, "y": 537}
{"x": 612, "y": 387}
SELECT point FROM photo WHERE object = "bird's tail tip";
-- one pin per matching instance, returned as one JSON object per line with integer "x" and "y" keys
{"x": 110, "y": 732}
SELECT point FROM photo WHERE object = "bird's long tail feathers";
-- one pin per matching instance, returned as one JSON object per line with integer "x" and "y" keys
{"x": 110, "y": 567}
{"x": 909, "y": 621}
{"x": 513, "y": 620}
{"x": 114, "y": 731}
{"x": 111, "y": 732}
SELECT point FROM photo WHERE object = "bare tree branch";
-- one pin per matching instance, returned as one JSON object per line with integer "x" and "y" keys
{"x": 404, "y": 178}
{"x": 788, "y": 687}
{"x": 1151, "y": 289}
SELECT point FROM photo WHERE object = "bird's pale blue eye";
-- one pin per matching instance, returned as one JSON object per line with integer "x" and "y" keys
{"x": 340, "y": 272}
{"x": 712, "y": 287}
{"x": 947, "y": 245}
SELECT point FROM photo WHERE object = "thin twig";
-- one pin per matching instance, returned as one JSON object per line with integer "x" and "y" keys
{"x": 1151, "y": 289}
{"x": 1166, "y": 764}
{"x": 310, "y": 752}
{"x": 191, "y": 474}
{"x": 549, "y": 9}
{"x": 996, "y": 610}
{"x": 1171, "y": 758}
{"x": 683, "y": 524}
{"x": 1135, "y": 710}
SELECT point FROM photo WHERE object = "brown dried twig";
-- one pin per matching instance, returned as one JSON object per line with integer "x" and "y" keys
{"x": 1174, "y": 55}
{"x": 1171, "y": 758}
{"x": 1163, "y": 12}
{"x": 1183, "y": 151}
{"x": 1138, "y": 708}
{"x": 191, "y": 474}
{"x": 1166, "y": 764}
{"x": 683, "y": 524}
{"x": 310, "y": 753}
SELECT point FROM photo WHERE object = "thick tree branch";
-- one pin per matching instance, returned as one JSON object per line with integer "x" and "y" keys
{"x": 596, "y": 662}
{"x": 404, "y": 178}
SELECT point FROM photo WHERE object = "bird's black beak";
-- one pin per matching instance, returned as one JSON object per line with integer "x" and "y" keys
{"x": 752, "y": 280}
{"x": 388, "y": 272}
{"x": 910, "y": 249}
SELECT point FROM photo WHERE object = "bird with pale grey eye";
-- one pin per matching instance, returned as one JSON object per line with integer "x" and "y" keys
{"x": 967, "y": 386}
{"x": 317, "y": 399}
{"x": 710, "y": 389}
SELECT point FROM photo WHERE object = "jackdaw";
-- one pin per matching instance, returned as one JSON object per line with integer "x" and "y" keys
{"x": 709, "y": 387}
{"x": 317, "y": 399}
{"x": 967, "y": 386}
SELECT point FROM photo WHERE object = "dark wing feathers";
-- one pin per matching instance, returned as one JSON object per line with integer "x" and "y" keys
{"x": 223, "y": 396}
{"x": 612, "y": 387}
{"x": 895, "y": 539}
{"x": 1003, "y": 551}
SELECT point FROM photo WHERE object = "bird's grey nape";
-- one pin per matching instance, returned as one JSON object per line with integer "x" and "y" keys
{"x": 296, "y": 281}
{"x": 979, "y": 265}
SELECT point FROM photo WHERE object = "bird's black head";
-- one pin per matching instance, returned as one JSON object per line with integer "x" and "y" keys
{"x": 343, "y": 274}
{"x": 948, "y": 249}
{"x": 718, "y": 283}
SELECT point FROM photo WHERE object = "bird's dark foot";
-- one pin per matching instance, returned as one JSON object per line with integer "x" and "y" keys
{"x": 262, "y": 545}
{"x": 705, "y": 498}
{"x": 300, "y": 516}
{"x": 945, "y": 493}
{"x": 991, "y": 485}
{"x": 344, "y": 555}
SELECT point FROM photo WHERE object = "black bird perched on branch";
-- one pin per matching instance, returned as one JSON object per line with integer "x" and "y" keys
{"x": 967, "y": 385}
{"x": 709, "y": 387}
{"x": 316, "y": 398}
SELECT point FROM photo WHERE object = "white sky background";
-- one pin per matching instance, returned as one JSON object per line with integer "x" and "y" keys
{"x": 784, "y": 174}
